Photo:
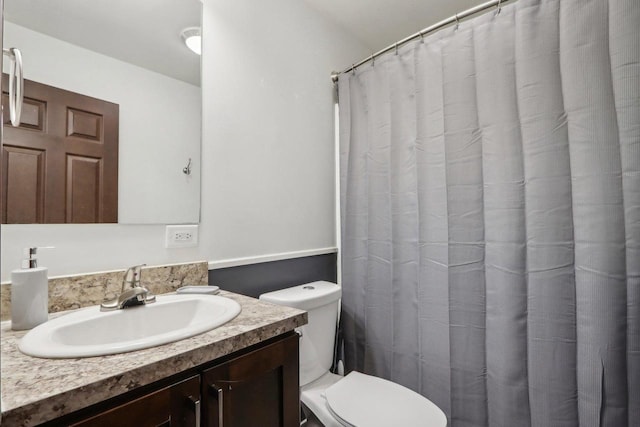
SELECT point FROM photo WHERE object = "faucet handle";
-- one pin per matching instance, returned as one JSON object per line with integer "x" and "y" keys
{"x": 132, "y": 276}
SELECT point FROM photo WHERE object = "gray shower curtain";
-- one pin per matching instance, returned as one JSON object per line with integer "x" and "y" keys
{"x": 490, "y": 197}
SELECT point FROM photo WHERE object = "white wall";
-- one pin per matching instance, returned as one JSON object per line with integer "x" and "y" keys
{"x": 154, "y": 147}
{"x": 90, "y": 248}
{"x": 268, "y": 144}
{"x": 267, "y": 150}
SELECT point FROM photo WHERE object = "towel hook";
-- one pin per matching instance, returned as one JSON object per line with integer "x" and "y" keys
{"x": 187, "y": 169}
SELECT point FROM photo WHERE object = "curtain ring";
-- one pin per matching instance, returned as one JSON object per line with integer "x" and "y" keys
{"x": 353, "y": 69}
{"x": 422, "y": 38}
{"x": 373, "y": 60}
{"x": 396, "y": 48}
{"x": 499, "y": 6}
{"x": 457, "y": 21}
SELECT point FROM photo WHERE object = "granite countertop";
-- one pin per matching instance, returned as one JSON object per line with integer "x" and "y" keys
{"x": 35, "y": 390}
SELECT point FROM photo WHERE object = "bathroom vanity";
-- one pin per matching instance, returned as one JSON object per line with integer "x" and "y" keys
{"x": 244, "y": 373}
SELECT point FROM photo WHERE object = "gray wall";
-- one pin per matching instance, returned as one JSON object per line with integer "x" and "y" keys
{"x": 255, "y": 279}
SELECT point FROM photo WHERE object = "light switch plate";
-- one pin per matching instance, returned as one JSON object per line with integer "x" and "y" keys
{"x": 181, "y": 236}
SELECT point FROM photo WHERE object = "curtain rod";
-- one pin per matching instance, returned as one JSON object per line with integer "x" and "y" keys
{"x": 453, "y": 19}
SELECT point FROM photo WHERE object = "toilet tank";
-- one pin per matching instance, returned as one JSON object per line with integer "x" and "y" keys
{"x": 320, "y": 300}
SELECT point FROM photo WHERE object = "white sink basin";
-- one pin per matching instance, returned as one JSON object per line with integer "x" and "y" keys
{"x": 91, "y": 332}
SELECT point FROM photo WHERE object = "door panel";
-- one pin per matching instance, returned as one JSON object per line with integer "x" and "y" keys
{"x": 23, "y": 168}
{"x": 82, "y": 124}
{"x": 83, "y": 189}
{"x": 33, "y": 113}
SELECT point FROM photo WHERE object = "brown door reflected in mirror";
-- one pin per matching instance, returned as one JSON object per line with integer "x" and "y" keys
{"x": 61, "y": 164}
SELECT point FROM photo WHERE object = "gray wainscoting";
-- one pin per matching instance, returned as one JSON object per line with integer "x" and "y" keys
{"x": 256, "y": 279}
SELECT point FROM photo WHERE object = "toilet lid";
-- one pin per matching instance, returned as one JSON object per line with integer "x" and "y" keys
{"x": 364, "y": 401}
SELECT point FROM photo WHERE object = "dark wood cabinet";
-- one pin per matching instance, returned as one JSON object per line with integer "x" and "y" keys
{"x": 177, "y": 405}
{"x": 256, "y": 389}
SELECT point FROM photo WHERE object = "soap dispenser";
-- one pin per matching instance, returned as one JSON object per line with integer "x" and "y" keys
{"x": 29, "y": 293}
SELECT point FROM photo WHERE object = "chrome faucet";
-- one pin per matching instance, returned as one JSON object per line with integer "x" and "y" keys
{"x": 135, "y": 295}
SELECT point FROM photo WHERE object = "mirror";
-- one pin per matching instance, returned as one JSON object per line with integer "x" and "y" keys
{"x": 127, "y": 53}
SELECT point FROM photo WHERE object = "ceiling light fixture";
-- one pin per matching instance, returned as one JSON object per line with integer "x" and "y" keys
{"x": 193, "y": 39}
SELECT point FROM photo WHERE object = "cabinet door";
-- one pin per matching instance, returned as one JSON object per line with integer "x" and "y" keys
{"x": 175, "y": 406}
{"x": 260, "y": 388}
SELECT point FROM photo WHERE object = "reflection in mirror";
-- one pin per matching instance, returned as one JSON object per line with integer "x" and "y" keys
{"x": 128, "y": 56}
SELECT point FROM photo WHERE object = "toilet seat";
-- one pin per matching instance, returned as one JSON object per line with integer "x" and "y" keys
{"x": 365, "y": 401}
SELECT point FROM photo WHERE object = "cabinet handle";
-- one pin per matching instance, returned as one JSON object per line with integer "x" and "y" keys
{"x": 196, "y": 409}
{"x": 220, "y": 393}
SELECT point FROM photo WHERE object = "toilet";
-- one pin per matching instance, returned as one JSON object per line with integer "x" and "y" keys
{"x": 356, "y": 399}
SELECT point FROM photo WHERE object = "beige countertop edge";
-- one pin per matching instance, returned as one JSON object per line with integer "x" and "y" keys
{"x": 38, "y": 390}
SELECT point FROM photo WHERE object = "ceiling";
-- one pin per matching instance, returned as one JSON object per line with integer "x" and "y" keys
{"x": 380, "y": 23}
{"x": 144, "y": 33}
{"x": 147, "y": 32}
